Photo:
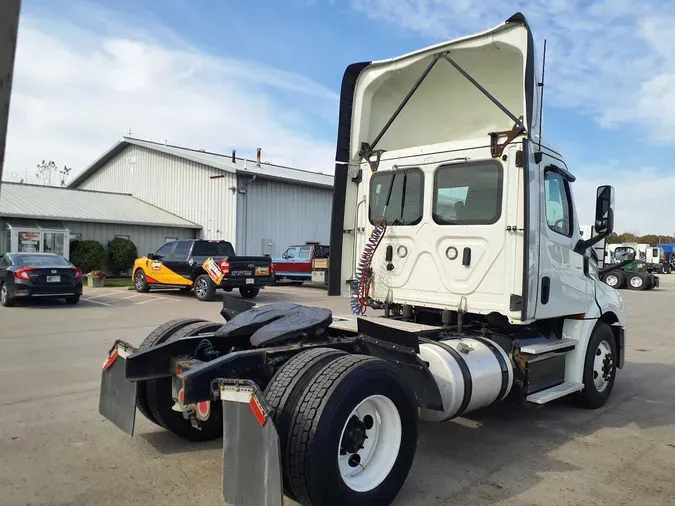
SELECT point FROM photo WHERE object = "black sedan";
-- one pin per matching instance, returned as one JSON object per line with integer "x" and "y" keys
{"x": 28, "y": 275}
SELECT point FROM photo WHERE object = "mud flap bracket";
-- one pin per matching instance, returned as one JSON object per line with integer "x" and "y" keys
{"x": 251, "y": 451}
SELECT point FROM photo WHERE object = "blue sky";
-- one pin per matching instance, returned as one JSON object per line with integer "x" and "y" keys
{"x": 224, "y": 74}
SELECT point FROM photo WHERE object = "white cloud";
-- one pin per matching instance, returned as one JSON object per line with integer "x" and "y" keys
{"x": 77, "y": 90}
{"x": 641, "y": 198}
{"x": 613, "y": 59}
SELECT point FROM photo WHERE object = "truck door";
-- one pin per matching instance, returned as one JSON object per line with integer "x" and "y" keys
{"x": 564, "y": 288}
{"x": 285, "y": 266}
{"x": 177, "y": 263}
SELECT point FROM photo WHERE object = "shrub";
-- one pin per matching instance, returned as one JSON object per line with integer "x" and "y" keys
{"x": 88, "y": 256}
{"x": 121, "y": 255}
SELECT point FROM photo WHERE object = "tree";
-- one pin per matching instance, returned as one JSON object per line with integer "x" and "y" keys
{"x": 45, "y": 171}
{"x": 88, "y": 256}
{"x": 122, "y": 254}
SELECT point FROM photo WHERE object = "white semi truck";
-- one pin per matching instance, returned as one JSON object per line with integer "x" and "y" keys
{"x": 458, "y": 228}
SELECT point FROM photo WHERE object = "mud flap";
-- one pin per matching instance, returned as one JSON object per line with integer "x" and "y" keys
{"x": 117, "y": 399}
{"x": 251, "y": 452}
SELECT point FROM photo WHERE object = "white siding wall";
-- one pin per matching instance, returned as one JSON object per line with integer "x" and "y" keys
{"x": 176, "y": 185}
{"x": 146, "y": 239}
{"x": 285, "y": 213}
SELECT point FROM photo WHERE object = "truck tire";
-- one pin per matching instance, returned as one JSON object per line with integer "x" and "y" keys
{"x": 615, "y": 279}
{"x": 140, "y": 283}
{"x": 205, "y": 290}
{"x": 284, "y": 390}
{"x": 637, "y": 281}
{"x": 599, "y": 368}
{"x": 249, "y": 293}
{"x": 160, "y": 399}
{"x": 156, "y": 337}
{"x": 352, "y": 397}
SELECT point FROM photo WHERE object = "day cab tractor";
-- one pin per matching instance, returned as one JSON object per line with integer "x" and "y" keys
{"x": 628, "y": 272}
{"x": 457, "y": 226}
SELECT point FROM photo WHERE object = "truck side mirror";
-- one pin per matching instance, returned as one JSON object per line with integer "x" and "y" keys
{"x": 604, "y": 210}
{"x": 604, "y": 218}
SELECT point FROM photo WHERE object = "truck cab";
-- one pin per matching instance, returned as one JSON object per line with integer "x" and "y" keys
{"x": 456, "y": 221}
{"x": 296, "y": 263}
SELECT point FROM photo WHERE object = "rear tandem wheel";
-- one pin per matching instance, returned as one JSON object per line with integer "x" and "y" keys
{"x": 160, "y": 399}
{"x": 285, "y": 389}
{"x": 155, "y": 338}
{"x": 353, "y": 434}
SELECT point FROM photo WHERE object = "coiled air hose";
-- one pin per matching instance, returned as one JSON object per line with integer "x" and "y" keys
{"x": 361, "y": 283}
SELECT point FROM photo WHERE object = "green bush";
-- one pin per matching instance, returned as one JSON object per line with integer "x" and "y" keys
{"x": 121, "y": 255}
{"x": 88, "y": 256}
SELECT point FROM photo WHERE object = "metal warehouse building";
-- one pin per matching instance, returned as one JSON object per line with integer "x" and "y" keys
{"x": 47, "y": 219}
{"x": 261, "y": 208}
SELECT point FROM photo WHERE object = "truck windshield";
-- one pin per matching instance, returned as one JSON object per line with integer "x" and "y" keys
{"x": 212, "y": 249}
{"x": 468, "y": 193}
{"x": 623, "y": 253}
{"x": 397, "y": 196}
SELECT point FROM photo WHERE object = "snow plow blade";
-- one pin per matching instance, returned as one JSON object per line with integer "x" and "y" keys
{"x": 251, "y": 452}
{"x": 117, "y": 399}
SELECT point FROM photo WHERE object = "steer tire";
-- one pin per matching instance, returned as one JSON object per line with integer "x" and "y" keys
{"x": 155, "y": 338}
{"x": 602, "y": 339}
{"x": 319, "y": 421}
{"x": 286, "y": 387}
{"x": 160, "y": 398}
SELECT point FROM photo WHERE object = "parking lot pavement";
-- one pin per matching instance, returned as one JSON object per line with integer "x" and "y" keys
{"x": 116, "y": 297}
{"x": 57, "y": 450}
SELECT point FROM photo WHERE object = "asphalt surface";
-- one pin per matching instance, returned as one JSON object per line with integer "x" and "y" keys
{"x": 55, "y": 449}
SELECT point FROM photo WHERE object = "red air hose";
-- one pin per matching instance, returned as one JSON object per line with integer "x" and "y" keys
{"x": 361, "y": 283}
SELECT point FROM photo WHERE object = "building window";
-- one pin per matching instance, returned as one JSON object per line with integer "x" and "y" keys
{"x": 53, "y": 242}
{"x": 29, "y": 242}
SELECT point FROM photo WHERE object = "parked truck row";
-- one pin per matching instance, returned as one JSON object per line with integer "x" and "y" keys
{"x": 457, "y": 223}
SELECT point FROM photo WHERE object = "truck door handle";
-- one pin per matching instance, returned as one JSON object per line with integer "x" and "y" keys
{"x": 545, "y": 289}
{"x": 466, "y": 257}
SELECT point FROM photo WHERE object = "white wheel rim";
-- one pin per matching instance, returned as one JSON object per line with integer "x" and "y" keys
{"x": 379, "y": 451}
{"x": 139, "y": 281}
{"x": 612, "y": 280}
{"x": 636, "y": 281}
{"x": 602, "y": 374}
